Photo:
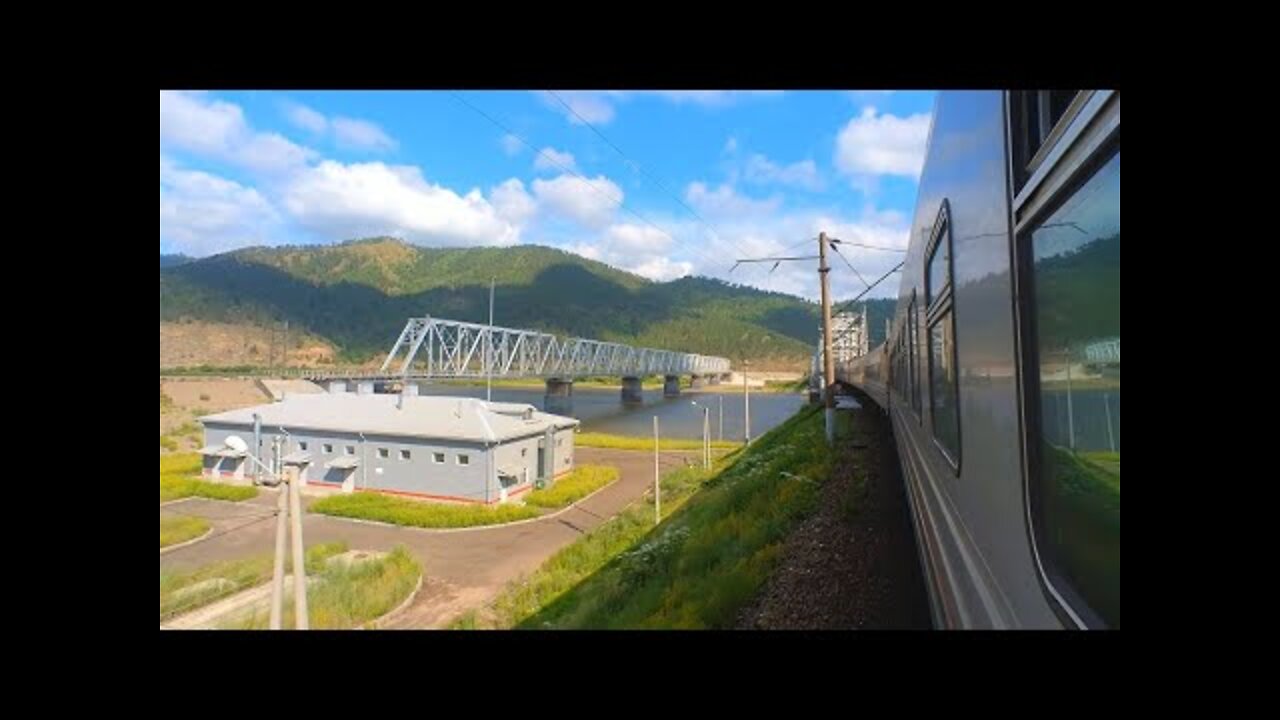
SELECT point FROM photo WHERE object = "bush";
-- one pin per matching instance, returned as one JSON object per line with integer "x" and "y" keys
{"x": 238, "y": 574}
{"x": 349, "y": 596}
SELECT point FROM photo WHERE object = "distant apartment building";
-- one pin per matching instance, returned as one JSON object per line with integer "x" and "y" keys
{"x": 441, "y": 448}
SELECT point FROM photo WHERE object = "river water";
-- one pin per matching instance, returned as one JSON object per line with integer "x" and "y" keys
{"x": 601, "y": 409}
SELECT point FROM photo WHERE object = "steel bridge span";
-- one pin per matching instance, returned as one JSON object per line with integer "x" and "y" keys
{"x": 434, "y": 348}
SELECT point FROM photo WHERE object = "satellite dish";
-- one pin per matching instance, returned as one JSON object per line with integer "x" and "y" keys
{"x": 236, "y": 443}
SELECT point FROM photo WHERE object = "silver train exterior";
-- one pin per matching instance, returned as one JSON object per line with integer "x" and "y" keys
{"x": 1001, "y": 372}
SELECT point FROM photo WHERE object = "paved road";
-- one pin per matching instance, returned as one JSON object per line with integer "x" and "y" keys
{"x": 463, "y": 569}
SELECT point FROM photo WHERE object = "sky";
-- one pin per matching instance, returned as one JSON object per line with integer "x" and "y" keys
{"x": 660, "y": 183}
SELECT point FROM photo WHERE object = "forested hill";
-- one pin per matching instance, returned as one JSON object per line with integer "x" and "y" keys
{"x": 358, "y": 294}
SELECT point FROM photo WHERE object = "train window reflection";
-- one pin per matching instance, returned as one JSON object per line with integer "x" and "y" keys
{"x": 942, "y": 384}
{"x": 1076, "y": 266}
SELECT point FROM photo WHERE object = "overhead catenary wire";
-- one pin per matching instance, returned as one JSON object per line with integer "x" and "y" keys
{"x": 637, "y": 166}
{"x": 618, "y": 201}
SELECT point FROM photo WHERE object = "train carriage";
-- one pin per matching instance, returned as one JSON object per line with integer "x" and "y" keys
{"x": 1001, "y": 372}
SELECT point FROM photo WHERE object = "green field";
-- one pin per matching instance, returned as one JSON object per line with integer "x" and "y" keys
{"x": 177, "y": 481}
{"x": 174, "y": 530}
{"x": 347, "y": 596}
{"x": 584, "y": 480}
{"x": 414, "y": 513}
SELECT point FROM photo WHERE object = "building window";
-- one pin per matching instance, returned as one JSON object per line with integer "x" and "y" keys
{"x": 302, "y": 445}
{"x": 944, "y": 400}
{"x": 405, "y": 455}
{"x": 524, "y": 452}
{"x": 384, "y": 452}
{"x": 437, "y": 458}
{"x": 328, "y": 448}
{"x": 350, "y": 449}
{"x": 1074, "y": 260}
{"x": 464, "y": 459}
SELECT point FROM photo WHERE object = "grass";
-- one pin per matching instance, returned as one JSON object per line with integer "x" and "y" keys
{"x": 626, "y": 442}
{"x": 176, "y": 481}
{"x": 168, "y": 443}
{"x": 400, "y": 511}
{"x": 349, "y": 596}
{"x": 583, "y": 481}
{"x": 174, "y": 530}
{"x": 720, "y": 538}
{"x": 238, "y": 574}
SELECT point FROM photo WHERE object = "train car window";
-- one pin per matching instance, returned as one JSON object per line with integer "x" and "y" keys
{"x": 1074, "y": 255}
{"x": 912, "y": 367}
{"x": 1036, "y": 113}
{"x": 944, "y": 401}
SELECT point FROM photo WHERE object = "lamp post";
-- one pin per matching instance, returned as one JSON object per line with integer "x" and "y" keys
{"x": 706, "y": 434}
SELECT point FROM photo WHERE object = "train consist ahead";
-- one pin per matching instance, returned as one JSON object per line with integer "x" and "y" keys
{"x": 1001, "y": 372}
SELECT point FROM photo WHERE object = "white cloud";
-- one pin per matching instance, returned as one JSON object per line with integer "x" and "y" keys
{"x": 760, "y": 169}
{"x": 592, "y": 205}
{"x": 344, "y": 201}
{"x": 202, "y": 214}
{"x": 512, "y": 202}
{"x": 871, "y": 144}
{"x": 552, "y": 159}
{"x": 663, "y": 269}
{"x": 196, "y": 123}
{"x": 361, "y": 134}
{"x": 711, "y": 98}
{"x": 511, "y": 144}
{"x": 304, "y": 117}
{"x": 596, "y": 107}
{"x": 629, "y": 238}
{"x": 726, "y": 202}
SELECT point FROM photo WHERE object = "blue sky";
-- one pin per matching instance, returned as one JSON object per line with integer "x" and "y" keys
{"x": 738, "y": 174}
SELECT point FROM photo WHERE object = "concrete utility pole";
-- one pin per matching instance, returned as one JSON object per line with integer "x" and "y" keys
{"x": 720, "y": 432}
{"x": 488, "y": 383}
{"x": 657, "y": 489}
{"x": 828, "y": 362}
{"x": 706, "y": 437}
{"x": 277, "y": 575}
{"x": 746, "y": 404}
{"x": 299, "y": 561}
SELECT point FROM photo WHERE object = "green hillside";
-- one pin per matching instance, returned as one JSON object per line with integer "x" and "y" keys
{"x": 358, "y": 295}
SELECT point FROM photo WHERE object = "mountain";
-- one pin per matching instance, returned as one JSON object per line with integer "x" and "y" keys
{"x": 174, "y": 260}
{"x": 357, "y": 296}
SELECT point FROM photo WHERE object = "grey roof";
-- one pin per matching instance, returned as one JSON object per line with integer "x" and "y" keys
{"x": 424, "y": 416}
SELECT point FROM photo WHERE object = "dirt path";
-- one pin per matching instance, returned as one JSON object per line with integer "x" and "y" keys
{"x": 853, "y": 563}
{"x": 463, "y": 569}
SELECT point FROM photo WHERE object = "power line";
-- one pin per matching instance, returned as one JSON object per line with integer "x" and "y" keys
{"x": 851, "y": 267}
{"x": 619, "y": 201}
{"x": 640, "y": 168}
{"x": 845, "y": 305}
{"x": 233, "y": 528}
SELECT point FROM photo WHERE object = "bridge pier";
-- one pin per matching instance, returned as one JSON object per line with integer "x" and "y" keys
{"x": 671, "y": 386}
{"x": 559, "y": 398}
{"x": 698, "y": 381}
{"x": 713, "y": 379}
{"x": 632, "y": 390}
